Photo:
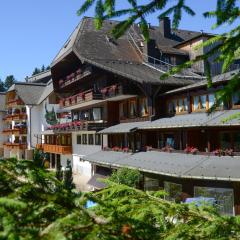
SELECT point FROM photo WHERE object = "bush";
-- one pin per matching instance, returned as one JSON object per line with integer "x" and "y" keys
{"x": 126, "y": 176}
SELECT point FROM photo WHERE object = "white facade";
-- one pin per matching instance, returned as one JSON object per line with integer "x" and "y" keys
{"x": 83, "y": 168}
{"x": 37, "y": 121}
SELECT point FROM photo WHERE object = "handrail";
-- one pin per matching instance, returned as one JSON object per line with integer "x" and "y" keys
{"x": 157, "y": 64}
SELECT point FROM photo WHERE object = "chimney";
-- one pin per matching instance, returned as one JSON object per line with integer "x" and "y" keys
{"x": 165, "y": 27}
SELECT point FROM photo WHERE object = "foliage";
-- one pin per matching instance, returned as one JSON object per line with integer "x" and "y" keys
{"x": 40, "y": 70}
{"x": 223, "y": 48}
{"x": 129, "y": 177}
{"x": 68, "y": 177}
{"x": 9, "y": 81}
{"x": 38, "y": 158}
{"x": 2, "y": 86}
{"x": 59, "y": 172}
{"x": 35, "y": 205}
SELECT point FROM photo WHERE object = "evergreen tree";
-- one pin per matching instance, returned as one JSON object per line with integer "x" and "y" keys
{"x": 9, "y": 81}
{"x": 59, "y": 173}
{"x": 2, "y": 86}
{"x": 35, "y": 205}
{"x": 43, "y": 68}
{"x": 36, "y": 71}
{"x": 68, "y": 177}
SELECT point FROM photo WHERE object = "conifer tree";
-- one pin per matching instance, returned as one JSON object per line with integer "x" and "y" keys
{"x": 68, "y": 177}
{"x": 35, "y": 205}
{"x": 59, "y": 173}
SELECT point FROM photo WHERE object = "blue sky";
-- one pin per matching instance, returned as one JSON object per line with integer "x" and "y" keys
{"x": 32, "y": 32}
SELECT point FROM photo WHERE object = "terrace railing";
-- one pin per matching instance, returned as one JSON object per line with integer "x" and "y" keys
{"x": 75, "y": 76}
{"x": 89, "y": 95}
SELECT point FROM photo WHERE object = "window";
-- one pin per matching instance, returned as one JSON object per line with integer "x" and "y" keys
{"x": 98, "y": 139}
{"x": 225, "y": 140}
{"x": 79, "y": 139}
{"x": 90, "y": 139}
{"x": 151, "y": 184}
{"x": 172, "y": 106}
{"x": 69, "y": 142}
{"x": 211, "y": 100}
{"x": 174, "y": 191}
{"x": 202, "y": 102}
{"x": 132, "y": 108}
{"x": 223, "y": 196}
{"x": 199, "y": 102}
{"x": 75, "y": 116}
{"x": 185, "y": 104}
{"x": 169, "y": 140}
{"x": 84, "y": 139}
{"x": 97, "y": 114}
{"x": 236, "y": 139}
{"x": 195, "y": 103}
{"x": 143, "y": 107}
{"x": 123, "y": 110}
{"x": 180, "y": 105}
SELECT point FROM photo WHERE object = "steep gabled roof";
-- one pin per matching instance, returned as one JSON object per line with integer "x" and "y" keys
{"x": 119, "y": 56}
{"x": 32, "y": 93}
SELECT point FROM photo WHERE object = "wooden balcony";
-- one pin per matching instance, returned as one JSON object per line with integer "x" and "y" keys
{"x": 15, "y": 102}
{"x": 64, "y": 150}
{"x": 15, "y": 131}
{"x": 75, "y": 76}
{"x": 15, "y": 145}
{"x": 82, "y": 97}
{"x": 15, "y": 117}
{"x": 39, "y": 146}
{"x": 90, "y": 95}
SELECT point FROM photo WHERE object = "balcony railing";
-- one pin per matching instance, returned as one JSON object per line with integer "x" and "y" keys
{"x": 15, "y": 102}
{"x": 15, "y": 131}
{"x": 90, "y": 95}
{"x": 57, "y": 149}
{"x": 79, "y": 125}
{"x": 74, "y": 77}
{"x": 15, "y": 117}
{"x": 15, "y": 145}
{"x": 39, "y": 146}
